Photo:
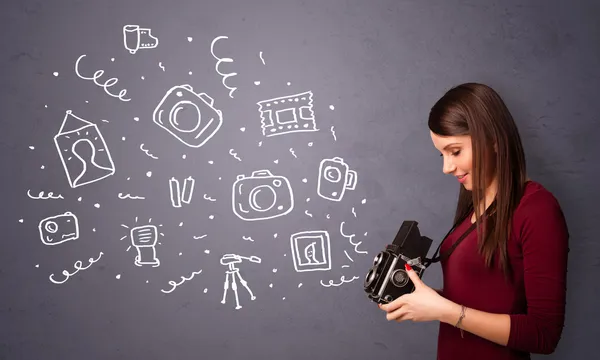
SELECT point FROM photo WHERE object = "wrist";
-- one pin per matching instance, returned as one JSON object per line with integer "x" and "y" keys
{"x": 451, "y": 313}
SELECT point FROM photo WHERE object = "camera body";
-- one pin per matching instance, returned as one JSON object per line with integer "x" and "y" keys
{"x": 58, "y": 229}
{"x": 261, "y": 196}
{"x": 335, "y": 177}
{"x": 387, "y": 279}
{"x": 191, "y": 118}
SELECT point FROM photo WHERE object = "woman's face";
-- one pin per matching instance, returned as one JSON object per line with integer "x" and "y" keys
{"x": 457, "y": 155}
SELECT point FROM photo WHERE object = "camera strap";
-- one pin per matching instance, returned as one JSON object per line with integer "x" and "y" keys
{"x": 435, "y": 258}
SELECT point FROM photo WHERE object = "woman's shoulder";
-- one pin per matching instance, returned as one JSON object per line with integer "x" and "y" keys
{"x": 538, "y": 205}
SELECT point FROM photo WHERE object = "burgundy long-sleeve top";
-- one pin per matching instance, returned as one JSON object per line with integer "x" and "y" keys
{"x": 534, "y": 299}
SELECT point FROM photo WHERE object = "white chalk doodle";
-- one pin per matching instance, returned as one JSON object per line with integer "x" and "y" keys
{"x": 200, "y": 237}
{"x": 144, "y": 239}
{"x": 83, "y": 151}
{"x": 353, "y": 211}
{"x": 342, "y": 281}
{"x": 160, "y": 65}
{"x": 230, "y": 260}
{"x": 107, "y": 84}
{"x": 311, "y": 251}
{"x": 175, "y": 284}
{"x": 190, "y": 117}
{"x": 136, "y": 38}
{"x": 348, "y": 256}
{"x": 146, "y": 151}
{"x": 335, "y": 177}
{"x": 58, "y": 229}
{"x": 206, "y": 197}
{"x": 219, "y": 62}
{"x": 287, "y": 114}
{"x": 234, "y": 154}
{"x": 350, "y": 237}
{"x": 293, "y": 153}
{"x": 179, "y": 195}
{"x": 78, "y": 267}
{"x": 247, "y": 238}
{"x": 333, "y": 133}
{"x": 308, "y": 214}
{"x": 260, "y": 55}
{"x": 129, "y": 196}
{"x": 261, "y": 196}
{"x": 42, "y": 196}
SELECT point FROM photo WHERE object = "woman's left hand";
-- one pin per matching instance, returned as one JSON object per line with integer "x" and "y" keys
{"x": 423, "y": 304}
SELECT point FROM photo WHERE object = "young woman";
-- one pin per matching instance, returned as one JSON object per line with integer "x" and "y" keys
{"x": 505, "y": 279}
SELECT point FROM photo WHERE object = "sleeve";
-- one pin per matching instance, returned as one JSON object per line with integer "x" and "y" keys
{"x": 544, "y": 239}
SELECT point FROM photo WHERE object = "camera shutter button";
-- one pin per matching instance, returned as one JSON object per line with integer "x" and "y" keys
{"x": 277, "y": 183}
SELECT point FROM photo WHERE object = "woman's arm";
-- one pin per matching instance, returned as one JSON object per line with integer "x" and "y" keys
{"x": 493, "y": 327}
{"x": 543, "y": 236}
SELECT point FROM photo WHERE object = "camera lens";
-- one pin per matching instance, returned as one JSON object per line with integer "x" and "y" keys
{"x": 262, "y": 198}
{"x": 51, "y": 227}
{"x": 371, "y": 277}
{"x": 400, "y": 278}
{"x": 332, "y": 174}
{"x": 377, "y": 259}
{"x": 185, "y": 116}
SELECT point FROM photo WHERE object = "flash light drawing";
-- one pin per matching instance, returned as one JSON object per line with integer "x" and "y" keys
{"x": 78, "y": 266}
{"x": 188, "y": 116}
{"x": 350, "y": 237}
{"x": 219, "y": 62}
{"x": 74, "y": 141}
{"x": 342, "y": 281}
{"x": 107, "y": 84}
{"x": 335, "y": 177}
{"x": 175, "y": 284}
{"x": 58, "y": 229}
{"x": 261, "y": 196}
{"x": 311, "y": 250}
{"x": 287, "y": 114}
{"x": 230, "y": 260}
{"x": 136, "y": 38}
{"x": 43, "y": 196}
{"x": 144, "y": 238}
{"x": 181, "y": 195}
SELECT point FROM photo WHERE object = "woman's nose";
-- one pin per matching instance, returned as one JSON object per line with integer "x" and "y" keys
{"x": 448, "y": 166}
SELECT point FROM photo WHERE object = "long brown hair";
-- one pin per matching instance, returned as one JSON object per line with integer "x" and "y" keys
{"x": 478, "y": 111}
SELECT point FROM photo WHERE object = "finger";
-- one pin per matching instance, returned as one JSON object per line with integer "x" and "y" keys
{"x": 413, "y": 276}
{"x": 398, "y": 315}
{"x": 396, "y": 304}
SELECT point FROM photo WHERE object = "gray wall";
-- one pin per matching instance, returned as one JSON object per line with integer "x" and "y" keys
{"x": 380, "y": 64}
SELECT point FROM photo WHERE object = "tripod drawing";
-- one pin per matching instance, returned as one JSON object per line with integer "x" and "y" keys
{"x": 231, "y": 260}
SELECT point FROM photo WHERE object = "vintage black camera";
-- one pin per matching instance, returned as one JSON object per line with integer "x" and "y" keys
{"x": 387, "y": 279}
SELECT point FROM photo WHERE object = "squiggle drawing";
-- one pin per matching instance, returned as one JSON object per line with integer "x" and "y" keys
{"x": 348, "y": 256}
{"x": 333, "y": 133}
{"x": 221, "y": 60}
{"x": 129, "y": 196}
{"x": 307, "y": 213}
{"x": 200, "y": 237}
{"x": 206, "y": 197}
{"x": 293, "y": 153}
{"x": 261, "y": 58}
{"x": 248, "y": 238}
{"x": 342, "y": 280}
{"x": 78, "y": 266}
{"x": 146, "y": 151}
{"x": 160, "y": 65}
{"x": 353, "y": 212}
{"x": 41, "y": 196}
{"x": 183, "y": 279}
{"x": 234, "y": 154}
{"x": 107, "y": 84}
{"x": 349, "y": 237}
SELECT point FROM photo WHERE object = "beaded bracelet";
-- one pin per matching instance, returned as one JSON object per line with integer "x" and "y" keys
{"x": 460, "y": 318}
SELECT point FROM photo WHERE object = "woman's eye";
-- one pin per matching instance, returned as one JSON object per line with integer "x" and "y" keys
{"x": 456, "y": 153}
